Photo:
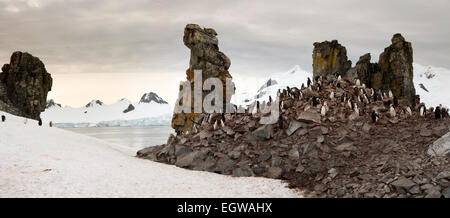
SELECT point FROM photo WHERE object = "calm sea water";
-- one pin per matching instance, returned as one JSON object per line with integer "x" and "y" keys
{"x": 134, "y": 137}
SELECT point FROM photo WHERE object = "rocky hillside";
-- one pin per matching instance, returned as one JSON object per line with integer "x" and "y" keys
{"x": 335, "y": 138}
{"x": 24, "y": 85}
{"x": 394, "y": 70}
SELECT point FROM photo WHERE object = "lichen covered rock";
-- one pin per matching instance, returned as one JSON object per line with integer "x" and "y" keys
{"x": 205, "y": 56}
{"x": 26, "y": 84}
{"x": 397, "y": 70}
{"x": 330, "y": 58}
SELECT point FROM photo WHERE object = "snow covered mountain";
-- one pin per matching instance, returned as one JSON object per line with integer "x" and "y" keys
{"x": 431, "y": 83}
{"x": 292, "y": 78}
{"x": 150, "y": 110}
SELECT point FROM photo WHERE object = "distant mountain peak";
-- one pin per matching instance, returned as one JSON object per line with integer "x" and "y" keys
{"x": 52, "y": 103}
{"x": 93, "y": 103}
{"x": 151, "y": 96}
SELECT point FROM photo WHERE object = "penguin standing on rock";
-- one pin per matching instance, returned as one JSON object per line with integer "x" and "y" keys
{"x": 308, "y": 82}
{"x": 437, "y": 113}
{"x": 374, "y": 116}
{"x": 444, "y": 112}
{"x": 395, "y": 101}
{"x": 392, "y": 111}
{"x": 422, "y": 110}
{"x": 323, "y": 110}
{"x": 314, "y": 101}
{"x": 408, "y": 111}
{"x": 332, "y": 95}
{"x": 216, "y": 125}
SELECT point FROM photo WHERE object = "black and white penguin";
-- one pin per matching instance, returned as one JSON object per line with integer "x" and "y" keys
{"x": 323, "y": 110}
{"x": 392, "y": 111}
{"x": 356, "y": 109}
{"x": 374, "y": 116}
{"x": 332, "y": 95}
{"x": 358, "y": 82}
{"x": 216, "y": 125}
{"x": 350, "y": 104}
{"x": 308, "y": 82}
{"x": 408, "y": 111}
{"x": 319, "y": 87}
{"x": 437, "y": 113}
{"x": 303, "y": 85}
{"x": 444, "y": 112}
{"x": 343, "y": 98}
{"x": 3, "y": 118}
{"x": 422, "y": 110}
{"x": 338, "y": 85}
{"x": 194, "y": 129}
{"x": 40, "y": 122}
{"x": 375, "y": 96}
{"x": 270, "y": 99}
{"x": 314, "y": 101}
{"x": 366, "y": 99}
{"x": 395, "y": 101}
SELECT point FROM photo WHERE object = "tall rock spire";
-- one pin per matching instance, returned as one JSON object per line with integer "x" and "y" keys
{"x": 205, "y": 56}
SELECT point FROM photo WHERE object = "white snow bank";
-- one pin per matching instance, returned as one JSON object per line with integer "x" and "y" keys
{"x": 50, "y": 162}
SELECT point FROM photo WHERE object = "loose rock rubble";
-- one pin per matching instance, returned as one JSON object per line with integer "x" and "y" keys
{"x": 339, "y": 153}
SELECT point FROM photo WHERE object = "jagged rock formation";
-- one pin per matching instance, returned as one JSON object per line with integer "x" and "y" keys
{"x": 205, "y": 56}
{"x": 330, "y": 58}
{"x": 52, "y": 103}
{"x": 393, "y": 72}
{"x": 149, "y": 97}
{"x": 24, "y": 84}
{"x": 397, "y": 70}
{"x": 337, "y": 152}
{"x": 93, "y": 103}
{"x": 129, "y": 108}
{"x": 365, "y": 71}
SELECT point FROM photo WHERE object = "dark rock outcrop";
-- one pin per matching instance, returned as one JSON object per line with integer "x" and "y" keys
{"x": 330, "y": 58}
{"x": 129, "y": 108}
{"x": 393, "y": 72}
{"x": 149, "y": 97}
{"x": 93, "y": 103}
{"x": 24, "y": 84}
{"x": 397, "y": 70}
{"x": 364, "y": 70}
{"x": 342, "y": 153}
{"x": 205, "y": 56}
{"x": 52, "y": 103}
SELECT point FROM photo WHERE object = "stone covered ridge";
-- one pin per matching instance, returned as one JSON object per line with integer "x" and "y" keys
{"x": 205, "y": 56}
{"x": 333, "y": 139}
{"x": 330, "y": 58}
{"x": 25, "y": 83}
{"x": 394, "y": 70}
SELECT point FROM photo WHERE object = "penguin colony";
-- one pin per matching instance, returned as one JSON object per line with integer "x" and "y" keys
{"x": 325, "y": 95}
{"x": 351, "y": 126}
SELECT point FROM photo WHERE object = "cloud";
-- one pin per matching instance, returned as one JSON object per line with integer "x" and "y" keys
{"x": 260, "y": 37}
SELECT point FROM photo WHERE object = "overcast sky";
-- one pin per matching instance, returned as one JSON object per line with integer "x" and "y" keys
{"x": 109, "y": 49}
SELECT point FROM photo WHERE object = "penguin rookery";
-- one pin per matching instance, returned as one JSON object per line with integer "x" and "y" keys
{"x": 351, "y": 132}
